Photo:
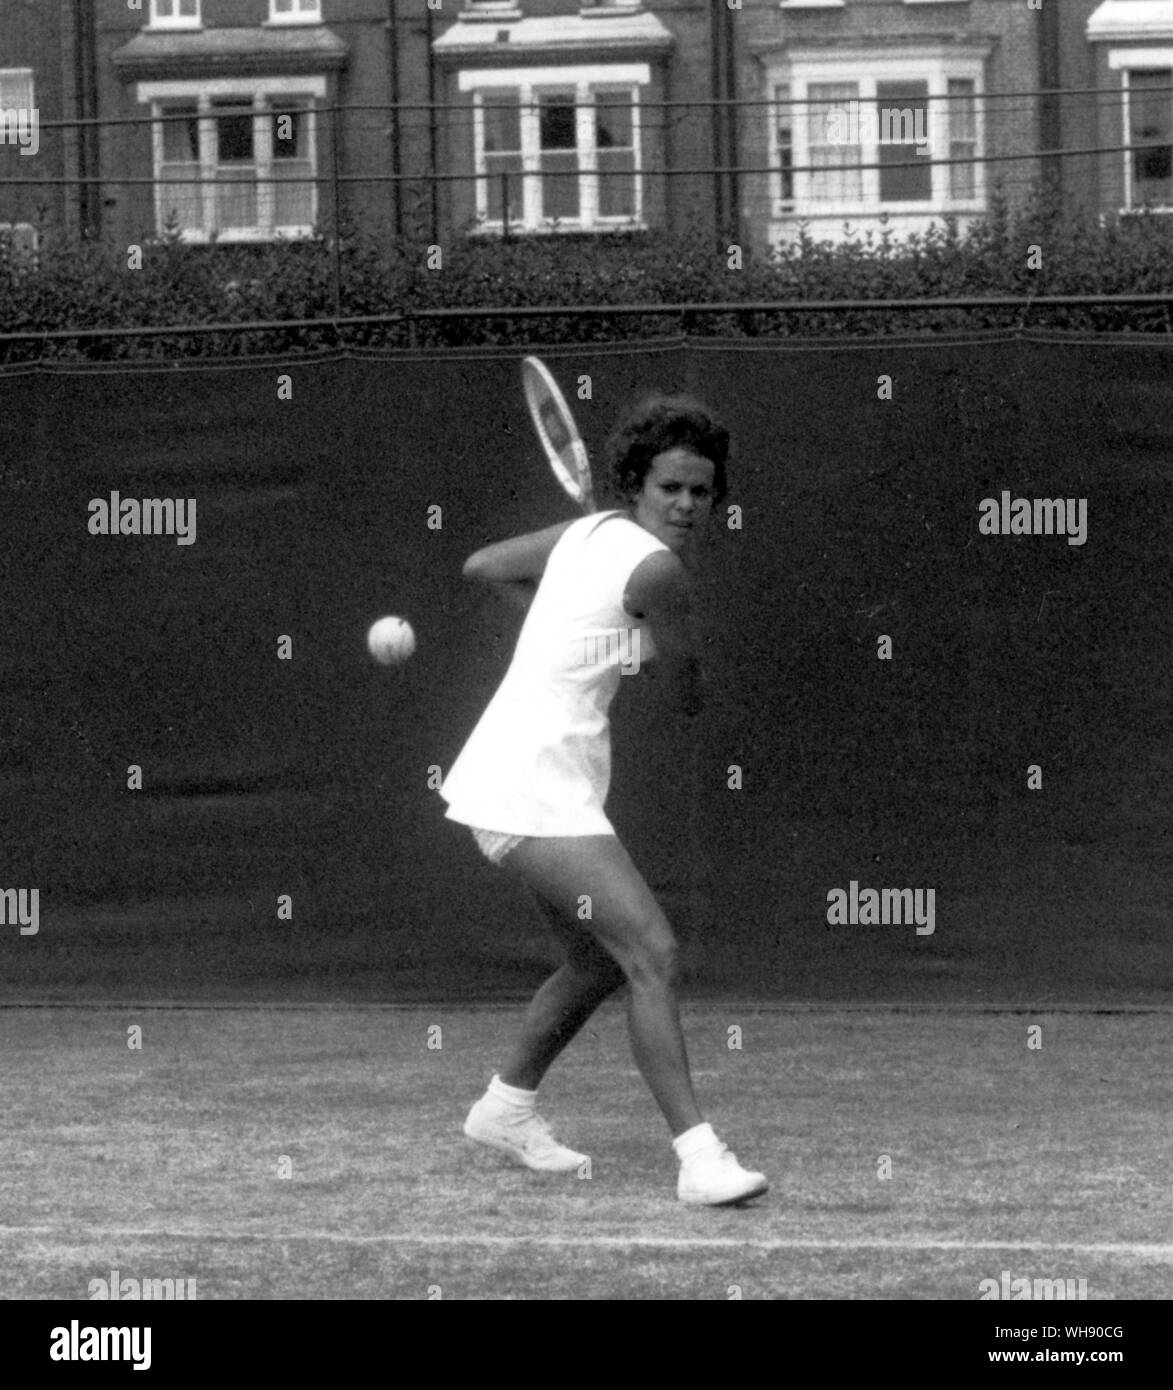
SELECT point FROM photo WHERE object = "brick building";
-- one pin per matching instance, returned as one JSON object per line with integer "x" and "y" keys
{"x": 580, "y": 116}
{"x": 33, "y": 98}
{"x": 862, "y": 104}
{"x": 1117, "y": 67}
{"x": 445, "y": 109}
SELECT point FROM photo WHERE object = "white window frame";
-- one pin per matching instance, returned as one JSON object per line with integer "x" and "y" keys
{"x": 257, "y": 92}
{"x": 532, "y": 83}
{"x": 8, "y": 75}
{"x": 172, "y": 19}
{"x": 865, "y": 69}
{"x": 303, "y": 12}
{"x": 1124, "y": 61}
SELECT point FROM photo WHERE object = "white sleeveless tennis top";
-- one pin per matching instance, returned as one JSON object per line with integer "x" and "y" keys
{"x": 539, "y": 760}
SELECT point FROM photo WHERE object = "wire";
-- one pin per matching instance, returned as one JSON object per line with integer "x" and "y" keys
{"x": 1112, "y": 94}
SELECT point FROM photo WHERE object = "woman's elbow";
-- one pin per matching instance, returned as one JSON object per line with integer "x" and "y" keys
{"x": 475, "y": 569}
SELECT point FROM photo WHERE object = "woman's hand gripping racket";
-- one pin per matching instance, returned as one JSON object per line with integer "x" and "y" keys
{"x": 558, "y": 433}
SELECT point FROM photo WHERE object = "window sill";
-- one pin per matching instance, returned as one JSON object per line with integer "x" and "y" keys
{"x": 596, "y": 229}
{"x": 244, "y": 236}
{"x": 495, "y": 13}
{"x": 873, "y": 214}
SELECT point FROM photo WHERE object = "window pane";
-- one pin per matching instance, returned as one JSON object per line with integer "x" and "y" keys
{"x": 1150, "y": 106}
{"x": 289, "y": 133}
{"x": 181, "y": 134}
{"x": 234, "y": 133}
{"x": 558, "y": 134}
{"x": 616, "y": 183}
{"x": 558, "y": 126}
{"x": 293, "y": 197}
{"x": 560, "y": 185}
{"x": 903, "y": 113}
{"x": 962, "y": 115}
{"x": 16, "y": 91}
{"x": 180, "y": 196}
{"x": 504, "y": 171}
{"x": 236, "y": 200}
{"x": 613, "y": 120}
{"x": 502, "y": 121}
{"x": 832, "y": 138}
{"x": 501, "y": 154}
{"x": 785, "y": 142}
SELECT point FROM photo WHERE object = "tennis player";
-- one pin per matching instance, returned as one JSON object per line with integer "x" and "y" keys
{"x": 604, "y": 594}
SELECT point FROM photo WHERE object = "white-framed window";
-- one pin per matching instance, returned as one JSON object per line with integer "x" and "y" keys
{"x": 856, "y": 136}
{"x": 236, "y": 160}
{"x": 20, "y": 121}
{"x": 558, "y": 148}
{"x": 1148, "y": 134}
{"x": 16, "y": 89}
{"x": 175, "y": 14}
{"x": 295, "y": 11}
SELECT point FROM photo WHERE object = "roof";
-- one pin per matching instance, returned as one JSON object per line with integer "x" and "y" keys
{"x": 1132, "y": 19}
{"x": 595, "y": 33}
{"x": 207, "y": 52}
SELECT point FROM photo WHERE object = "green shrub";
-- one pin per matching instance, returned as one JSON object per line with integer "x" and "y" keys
{"x": 75, "y": 284}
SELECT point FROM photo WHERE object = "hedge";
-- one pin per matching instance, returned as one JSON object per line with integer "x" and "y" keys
{"x": 73, "y": 284}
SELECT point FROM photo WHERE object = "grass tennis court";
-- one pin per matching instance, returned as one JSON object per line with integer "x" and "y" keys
{"x": 159, "y": 1163}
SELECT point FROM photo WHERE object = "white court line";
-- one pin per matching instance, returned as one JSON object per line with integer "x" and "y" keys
{"x": 89, "y": 1234}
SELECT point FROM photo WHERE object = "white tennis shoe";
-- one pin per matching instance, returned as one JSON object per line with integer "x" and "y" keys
{"x": 527, "y": 1141}
{"x": 714, "y": 1178}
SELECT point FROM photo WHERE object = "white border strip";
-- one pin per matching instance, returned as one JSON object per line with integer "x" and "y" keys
{"x": 88, "y": 1234}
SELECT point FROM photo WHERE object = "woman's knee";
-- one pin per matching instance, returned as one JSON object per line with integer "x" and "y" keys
{"x": 601, "y": 973}
{"x": 654, "y": 961}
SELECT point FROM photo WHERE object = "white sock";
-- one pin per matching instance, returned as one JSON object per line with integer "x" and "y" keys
{"x": 512, "y": 1099}
{"x": 694, "y": 1141}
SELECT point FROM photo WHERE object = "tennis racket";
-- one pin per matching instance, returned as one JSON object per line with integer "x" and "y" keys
{"x": 558, "y": 432}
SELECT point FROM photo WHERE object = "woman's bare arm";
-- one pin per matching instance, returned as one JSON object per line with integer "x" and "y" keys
{"x": 513, "y": 567}
{"x": 658, "y": 592}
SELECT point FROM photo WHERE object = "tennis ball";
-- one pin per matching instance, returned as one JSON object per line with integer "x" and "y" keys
{"x": 391, "y": 641}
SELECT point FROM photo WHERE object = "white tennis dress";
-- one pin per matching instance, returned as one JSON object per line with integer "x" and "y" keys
{"x": 539, "y": 760}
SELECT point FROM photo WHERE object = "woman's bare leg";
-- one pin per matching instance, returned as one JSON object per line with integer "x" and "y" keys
{"x": 628, "y": 923}
{"x": 562, "y": 1005}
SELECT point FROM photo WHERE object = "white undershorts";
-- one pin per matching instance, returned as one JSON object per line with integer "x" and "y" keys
{"x": 494, "y": 844}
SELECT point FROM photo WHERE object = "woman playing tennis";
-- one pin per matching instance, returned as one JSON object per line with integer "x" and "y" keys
{"x": 532, "y": 779}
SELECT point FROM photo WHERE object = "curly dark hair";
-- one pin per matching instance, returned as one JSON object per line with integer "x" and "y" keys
{"x": 660, "y": 422}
